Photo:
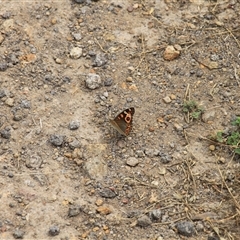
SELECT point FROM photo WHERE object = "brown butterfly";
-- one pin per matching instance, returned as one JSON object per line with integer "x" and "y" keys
{"x": 123, "y": 121}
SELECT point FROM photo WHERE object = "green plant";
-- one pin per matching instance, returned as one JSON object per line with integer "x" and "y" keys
{"x": 233, "y": 137}
{"x": 192, "y": 108}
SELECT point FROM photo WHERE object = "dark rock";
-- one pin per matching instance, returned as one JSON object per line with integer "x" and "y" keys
{"x": 144, "y": 221}
{"x": 185, "y": 228}
{"x": 6, "y": 132}
{"x": 108, "y": 82}
{"x": 54, "y": 230}
{"x": 56, "y": 140}
{"x": 73, "y": 125}
{"x": 155, "y": 214}
{"x": 18, "y": 234}
{"x": 133, "y": 213}
{"x": 165, "y": 158}
{"x": 74, "y": 210}
{"x": 79, "y": 1}
{"x": 213, "y": 237}
{"x": 107, "y": 193}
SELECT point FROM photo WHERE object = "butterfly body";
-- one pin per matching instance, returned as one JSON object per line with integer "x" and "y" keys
{"x": 123, "y": 121}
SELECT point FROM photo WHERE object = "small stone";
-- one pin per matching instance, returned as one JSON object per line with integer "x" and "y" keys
{"x": 74, "y": 144}
{"x": 140, "y": 153}
{"x": 74, "y": 125}
{"x": 105, "y": 94}
{"x": 199, "y": 73}
{"x": 107, "y": 193}
{"x": 93, "y": 81}
{"x": 99, "y": 202}
{"x": 54, "y": 231}
{"x": 151, "y": 152}
{"x": 34, "y": 161}
{"x": 100, "y": 60}
{"x": 76, "y": 52}
{"x": 155, "y": 214}
{"x": 144, "y": 221}
{"x": 185, "y": 228}
{"x": 104, "y": 210}
{"x": 58, "y": 60}
{"x": 3, "y": 66}
{"x": 3, "y": 93}
{"x": 132, "y": 161}
{"x": 77, "y": 36}
{"x": 9, "y": 102}
{"x": 25, "y": 104}
{"x": 79, "y": 1}
{"x": 222, "y": 160}
{"x": 6, "y": 133}
{"x": 167, "y": 99}
{"x": 56, "y": 140}
{"x": 74, "y": 210}
{"x": 129, "y": 79}
{"x": 18, "y": 234}
{"x": 108, "y": 82}
{"x": 178, "y": 127}
{"x": 208, "y": 116}
{"x": 212, "y": 147}
{"x": 173, "y": 97}
{"x": 170, "y": 53}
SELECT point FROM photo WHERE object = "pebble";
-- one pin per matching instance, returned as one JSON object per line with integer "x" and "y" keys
{"x": 170, "y": 53}
{"x": 185, "y": 228}
{"x": 212, "y": 147}
{"x": 151, "y": 152}
{"x": 79, "y": 1}
{"x": 76, "y": 52}
{"x": 34, "y": 161}
{"x": 77, "y": 36}
{"x": 132, "y": 161}
{"x": 54, "y": 231}
{"x": 74, "y": 125}
{"x": 3, "y": 66}
{"x": 25, "y": 104}
{"x": 56, "y": 140}
{"x": 167, "y": 99}
{"x": 107, "y": 193}
{"x": 144, "y": 221}
{"x": 18, "y": 234}
{"x": 96, "y": 168}
{"x": 93, "y": 81}
{"x": 6, "y": 133}
{"x": 3, "y": 93}
{"x": 208, "y": 115}
{"x": 104, "y": 210}
{"x": 9, "y": 102}
{"x": 108, "y": 82}
{"x": 74, "y": 144}
{"x": 100, "y": 60}
{"x": 140, "y": 153}
{"x": 74, "y": 210}
{"x": 99, "y": 202}
{"x": 155, "y": 214}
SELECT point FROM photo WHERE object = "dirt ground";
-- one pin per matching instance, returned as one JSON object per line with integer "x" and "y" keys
{"x": 66, "y": 68}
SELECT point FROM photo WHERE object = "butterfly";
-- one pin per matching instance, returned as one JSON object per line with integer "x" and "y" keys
{"x": 123, "y": 121}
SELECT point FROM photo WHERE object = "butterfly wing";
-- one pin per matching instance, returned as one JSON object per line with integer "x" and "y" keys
{"x": 123, "y": 121}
